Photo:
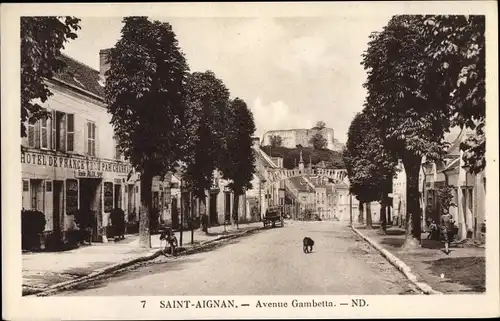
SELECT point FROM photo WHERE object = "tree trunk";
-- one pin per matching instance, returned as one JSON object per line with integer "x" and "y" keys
{"x": 360, "y": 214}
{"x": 383, "y": 217}
{"x": 413, "y": 226}
{"x": 146, "y": 205}
{"x": 369, "y": 215}
{"x": 236, "y": 205}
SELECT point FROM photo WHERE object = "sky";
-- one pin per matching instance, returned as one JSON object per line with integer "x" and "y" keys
{"x": 292, "y": 72}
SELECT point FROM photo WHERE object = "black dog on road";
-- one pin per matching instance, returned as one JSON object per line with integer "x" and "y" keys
{"x": 308, "y": 244}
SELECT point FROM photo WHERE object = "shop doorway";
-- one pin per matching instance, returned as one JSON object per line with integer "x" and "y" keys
{"x": 213, "y": 210}
{"x": 118, "y": 196}
{"x": 90, "y": 203}
{"x": 57, "y": 198}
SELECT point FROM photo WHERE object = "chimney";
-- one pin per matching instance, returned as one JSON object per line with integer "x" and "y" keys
{"x": 103, "y": 65}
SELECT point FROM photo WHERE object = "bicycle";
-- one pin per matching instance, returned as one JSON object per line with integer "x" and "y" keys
{"x": 170, "y": 239}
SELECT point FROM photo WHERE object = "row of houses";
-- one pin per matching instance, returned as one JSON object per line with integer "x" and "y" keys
{"x": 70, "y": 162}
{"x": 469, "y": 190}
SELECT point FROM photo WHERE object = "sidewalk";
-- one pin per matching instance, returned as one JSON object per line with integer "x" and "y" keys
{"x": 41, "y": 270}
{"x": 463, "y": 270}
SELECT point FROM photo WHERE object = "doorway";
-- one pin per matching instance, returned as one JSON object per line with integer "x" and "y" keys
{"x": 213, "y": 209}
{"x": 90, "y": 203}
{"x": 57, "y": 198}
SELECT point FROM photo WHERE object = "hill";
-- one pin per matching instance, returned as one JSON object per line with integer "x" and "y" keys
{"x": 291, "y": 156}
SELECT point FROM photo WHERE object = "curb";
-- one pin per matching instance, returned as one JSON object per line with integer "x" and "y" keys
{"x": 400, "y": 265}
{"x": 52, "y": 289}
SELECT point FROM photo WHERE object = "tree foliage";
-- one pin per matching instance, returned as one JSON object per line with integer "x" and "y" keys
{"x": 318, "y": 141}
{"x": 320, "y": 125}
{"x": 425, "y": 74}
{"x": 238, "y": 165}
{"x": 404, "y": 104}
{"x": 276, "y": 141}
{"x": 332, "y": 159}
{"x": 370, "y": 164}
{"x": 207, "y": 106}
{"x": 42, "y": 39}
{"x": 457, "y": 45}
{"x": 144, "y": 91}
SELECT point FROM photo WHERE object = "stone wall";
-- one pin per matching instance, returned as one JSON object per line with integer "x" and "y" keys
{"x": 293, "y": 137}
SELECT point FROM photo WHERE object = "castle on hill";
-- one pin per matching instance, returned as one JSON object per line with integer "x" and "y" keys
{"x": 293, "y": 137}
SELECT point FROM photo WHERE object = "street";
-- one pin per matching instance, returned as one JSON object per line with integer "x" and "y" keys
{"x": 268, "y": 262}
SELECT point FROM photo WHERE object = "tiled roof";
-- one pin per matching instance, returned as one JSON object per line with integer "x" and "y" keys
{"x": 81, "y": 76}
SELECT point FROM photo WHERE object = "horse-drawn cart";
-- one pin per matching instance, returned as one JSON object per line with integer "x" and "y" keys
{"x": 273, "y": 214}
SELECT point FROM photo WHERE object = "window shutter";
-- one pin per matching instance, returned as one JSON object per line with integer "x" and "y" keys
{"x": 86, "y": 138}
{"x": 44, "y": 133}
{"x": 37, "y": 134}
{"x": 96, "y": 143}
{"x": 31, "y": 135}
{"x": 70, "y": 132}
{"x": 53, "y": 130}
{"x": 62, "y": 134}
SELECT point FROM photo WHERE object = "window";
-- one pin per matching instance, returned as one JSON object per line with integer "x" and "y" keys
{"x": 118, "y": 152}
{"x": 91, "y": 138}
{"x": 31, "y": 135}
{"x": 60, "y": 132}
{"x": 70, "y": 142}
{"x": 44, "y": 143}
{"x": 25, "y": 186}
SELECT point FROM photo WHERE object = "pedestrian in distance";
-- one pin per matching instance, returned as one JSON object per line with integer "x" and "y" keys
{"x": 447, "y": 229}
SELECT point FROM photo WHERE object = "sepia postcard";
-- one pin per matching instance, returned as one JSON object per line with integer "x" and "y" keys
{"x": 250, "y": 160}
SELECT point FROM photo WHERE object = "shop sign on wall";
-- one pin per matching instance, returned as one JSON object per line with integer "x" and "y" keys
{"x": 83, "y": 167}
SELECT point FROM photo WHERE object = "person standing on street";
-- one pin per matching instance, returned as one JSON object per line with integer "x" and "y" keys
{"x": 447, "y": 229}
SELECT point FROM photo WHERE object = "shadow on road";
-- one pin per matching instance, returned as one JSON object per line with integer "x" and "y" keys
{"x": 154, "y": 267}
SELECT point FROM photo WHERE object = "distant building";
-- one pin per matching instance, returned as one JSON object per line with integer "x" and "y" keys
{"x": 293, "y": 137}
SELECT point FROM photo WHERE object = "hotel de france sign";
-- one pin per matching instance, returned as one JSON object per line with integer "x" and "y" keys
{"x": 84, "y": 167}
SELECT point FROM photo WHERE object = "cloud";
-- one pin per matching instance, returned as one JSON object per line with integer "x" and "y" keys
{"x": 277, "y": 115}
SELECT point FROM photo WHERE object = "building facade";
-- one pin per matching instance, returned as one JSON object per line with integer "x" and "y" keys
{"x": 70, "y": 160}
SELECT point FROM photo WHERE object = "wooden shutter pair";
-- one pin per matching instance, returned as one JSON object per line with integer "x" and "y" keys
{"x": 90, "y": 136}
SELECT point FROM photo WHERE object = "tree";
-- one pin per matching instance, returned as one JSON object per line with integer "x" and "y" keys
{"x": 42, "y": 39}
{"x": 457, "y": 46}
{"x": 317, "y": 141}
{"x": 276, "y": 141}
{"x": 207, "y": 106}
{"x": 404, "y": 103}
{"x": 370, "y": 165}
{"x": 238, "y": 165}
{"x": 320, "y": 125}
{"x": 144, "y": 91}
